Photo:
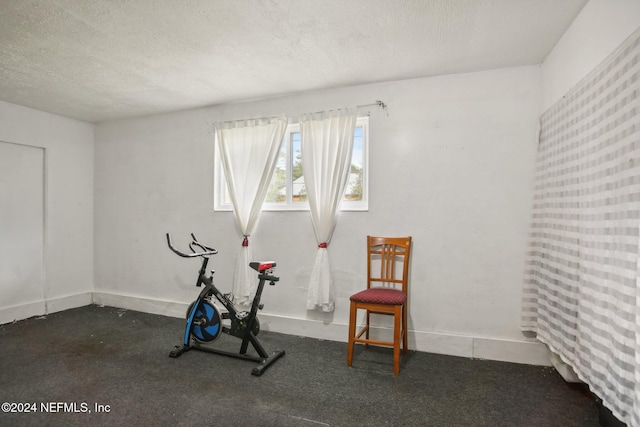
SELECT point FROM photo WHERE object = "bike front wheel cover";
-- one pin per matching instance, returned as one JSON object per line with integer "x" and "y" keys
{"x": 206, "y": 322}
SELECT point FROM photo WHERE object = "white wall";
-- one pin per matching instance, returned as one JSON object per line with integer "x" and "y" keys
{"x": 596, "y": 32}
{"x": 68, "y": 210}
{"x": 452, "y": 166}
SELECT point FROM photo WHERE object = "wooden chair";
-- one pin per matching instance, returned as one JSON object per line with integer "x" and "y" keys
{"x": 386, "y": 293}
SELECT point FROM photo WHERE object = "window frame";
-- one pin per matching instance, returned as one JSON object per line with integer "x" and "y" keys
{"x": 289, "y": 205}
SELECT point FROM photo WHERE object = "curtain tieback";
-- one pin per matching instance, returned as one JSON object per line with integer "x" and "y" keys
{"x": 323, "y": 245}
{"x": 245, "y": 241}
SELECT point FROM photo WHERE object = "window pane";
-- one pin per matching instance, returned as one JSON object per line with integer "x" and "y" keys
{"x": 299, "y": 192}
{"x": 354, "y": 186}
{"x": 287, "y": 190}
{"x": 278, "y": 188}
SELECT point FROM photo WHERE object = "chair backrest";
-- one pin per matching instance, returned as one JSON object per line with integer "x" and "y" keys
{"x": 388, "y": 262}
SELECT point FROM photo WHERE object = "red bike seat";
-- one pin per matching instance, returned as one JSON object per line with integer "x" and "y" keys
{"x": 261, "y": 266}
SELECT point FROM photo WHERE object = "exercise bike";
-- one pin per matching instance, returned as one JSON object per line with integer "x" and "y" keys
{"x": 206, "y": 321}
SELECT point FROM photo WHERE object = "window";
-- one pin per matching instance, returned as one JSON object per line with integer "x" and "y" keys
{"x": 287, "y": 190}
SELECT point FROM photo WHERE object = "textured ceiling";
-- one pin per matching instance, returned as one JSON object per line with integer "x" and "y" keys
{"x": 99, "y": 60}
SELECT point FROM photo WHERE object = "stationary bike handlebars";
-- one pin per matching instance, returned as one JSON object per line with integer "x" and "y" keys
{"x": 206, "y": 249}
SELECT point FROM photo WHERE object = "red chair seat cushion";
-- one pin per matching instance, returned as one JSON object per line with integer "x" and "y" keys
{"x": 380, "y": 296}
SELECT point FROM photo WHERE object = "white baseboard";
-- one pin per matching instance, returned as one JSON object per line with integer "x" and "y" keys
{"x": 564, "y": 369}
{"x": 42, "y": 307}
{"x": 22, "y": 311}
{"x": 69, "y": 301}
{"x": 531, "y": 352}
{"x": 146, "y": 305}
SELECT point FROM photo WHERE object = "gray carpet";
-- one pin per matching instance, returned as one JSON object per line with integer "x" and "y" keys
{"x": 108, "y": 356}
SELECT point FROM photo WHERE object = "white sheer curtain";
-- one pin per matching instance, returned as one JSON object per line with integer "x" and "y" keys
{"x": 327, "y": 144}
{"x": 248, "y": 151}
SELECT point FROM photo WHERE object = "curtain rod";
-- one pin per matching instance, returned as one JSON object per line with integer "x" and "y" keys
{"x": 378, "y": 103}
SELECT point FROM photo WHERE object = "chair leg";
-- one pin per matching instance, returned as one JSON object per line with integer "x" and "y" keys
{"x": 405, "y": 340}
{"x": 397, "y": 320}
{"x": 368, "y": 319}
{"x": 352, "y": 333}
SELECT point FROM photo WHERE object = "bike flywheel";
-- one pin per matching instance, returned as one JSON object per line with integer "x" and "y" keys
{"x": 206, "y": 322}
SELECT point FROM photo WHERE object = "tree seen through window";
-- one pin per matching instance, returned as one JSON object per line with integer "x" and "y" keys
{"x": 287, "y": 183}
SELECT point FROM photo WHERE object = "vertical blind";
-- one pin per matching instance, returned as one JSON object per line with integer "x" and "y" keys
{"x": 581, "y": 292}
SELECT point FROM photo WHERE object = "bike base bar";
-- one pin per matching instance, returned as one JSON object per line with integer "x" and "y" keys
{"x": 265, "y": 362}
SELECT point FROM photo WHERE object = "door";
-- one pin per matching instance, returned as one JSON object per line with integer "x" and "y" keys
{"x": 21, "y": 230}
